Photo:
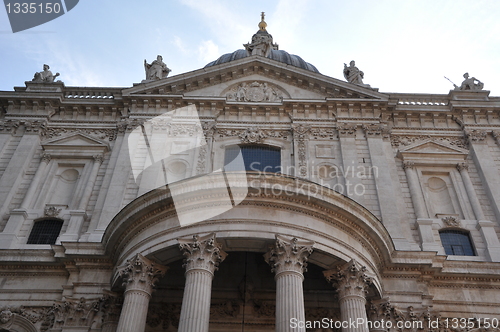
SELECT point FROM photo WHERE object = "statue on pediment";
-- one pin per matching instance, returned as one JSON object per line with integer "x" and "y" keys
{"x": 44, "y": 76}
{"x": 470, "y": 84}
{"x": 156, "y": 70}
{"x": 353, "y": 75}
{"x": 262, "y": 41}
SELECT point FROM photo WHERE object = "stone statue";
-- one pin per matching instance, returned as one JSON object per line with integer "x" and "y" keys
{"x": 470, "y": 84}
{"x": 262, "y": 42}
{"x": 156, "y": 70}
{"x": 44, "y": 76}
{"x": 352, "y": 74}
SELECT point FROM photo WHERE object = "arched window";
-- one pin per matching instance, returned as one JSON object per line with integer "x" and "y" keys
{"x": 259, "y": 158}
{"x": 457, "y": 242}
{"x": 45, "y": 231}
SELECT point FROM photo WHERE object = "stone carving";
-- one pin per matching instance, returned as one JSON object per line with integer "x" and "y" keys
{"x": 51, "y": 211}
{"x": 451, "y": 221}
{"x": 75, "y": 312}
{"x": 476, "y": 135}
{"x": 264, "y": 309}
{"x": 376, "y": 130}
{"x": 470, "y": 84}
{"x": 409, "y": 140}
{"x": 462, "y": 166}
{"x": 255, "y": 92}
{"x": 347, "y": 129}
{"x": 35, "y": 126}
{"x": 9, "y": 125}
{"x": 353, "y": 75}
{"x": 98, "y": 158}
{"x": 301, "y": 134}
{"x": 46, "y": 157}
{"x": 262, "y": 41}
{"x": 289, "y": 255}
{"x": 225, "y": 309}
{"x": 6, "y": 316}
{"x": 45, "y": 76}
{"x": 350, "y": 279}
{"x": 141, "y": 273}
{"x": 322, "y": 133}
{"x": 408, "y": 164}
{"x": 110, "y": 134}
{"x": 156, "y": 70}
{"x": 254, "y": 134}
{"x": 202, "y": 253}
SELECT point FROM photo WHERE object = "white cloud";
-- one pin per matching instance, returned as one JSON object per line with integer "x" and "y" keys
{"x": 208, "y": 51}
{"x": 179, "y": 43}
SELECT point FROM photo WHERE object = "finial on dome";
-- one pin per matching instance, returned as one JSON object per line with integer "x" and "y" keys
{"x": 262, "y": 24}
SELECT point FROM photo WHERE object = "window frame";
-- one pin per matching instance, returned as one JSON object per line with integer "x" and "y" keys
{"x": 448, "y": 247}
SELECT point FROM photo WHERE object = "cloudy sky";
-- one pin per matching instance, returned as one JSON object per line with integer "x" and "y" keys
{"x": 401, "y": 45}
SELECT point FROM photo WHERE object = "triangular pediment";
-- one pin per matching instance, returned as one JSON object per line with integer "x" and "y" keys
{"x": 265, "y": 78}
{"x": 78, "y": 144}
{"x": 430, "y": 149}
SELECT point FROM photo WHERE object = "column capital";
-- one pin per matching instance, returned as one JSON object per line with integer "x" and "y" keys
{"x": 408, "y": 164}
{"x": 98, "y": 158}
{"x": 347, "y": 129}
{"x": 45, "y": 157}
{"x": 289, "y": 255}
{"x": 140, "y": 273}
{"x": 462, "y": 166}
{"x": 476, "y": 135}
{"x": 350, "y": 279}
{"x": 203, "y": 253}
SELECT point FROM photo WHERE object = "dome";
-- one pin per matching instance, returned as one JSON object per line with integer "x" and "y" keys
{"x": 262, "y": 45}
{"x": 277, "y": 55}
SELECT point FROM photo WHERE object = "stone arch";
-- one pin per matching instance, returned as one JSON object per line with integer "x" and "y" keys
{"x": 341, "y": 229}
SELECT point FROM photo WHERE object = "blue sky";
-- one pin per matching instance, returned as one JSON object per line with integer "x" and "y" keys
{"x": 402, "y": 46}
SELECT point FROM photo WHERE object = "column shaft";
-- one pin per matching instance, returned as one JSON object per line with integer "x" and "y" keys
{"x": 289, "y": 301}
{"x": 195, "y": 312}
{"x": 90, "y": 183}
{"x": 134, "y": 311}
{"x": 203, "y": 255}
{"x": 288, "y": 259}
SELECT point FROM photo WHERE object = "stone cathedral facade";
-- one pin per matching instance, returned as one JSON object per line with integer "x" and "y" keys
{"x": 254, "y": 194}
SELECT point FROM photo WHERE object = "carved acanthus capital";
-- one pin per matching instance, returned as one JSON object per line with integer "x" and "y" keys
{"x": 37, "y": 127}
{"x": 476, "y": 135}
{"x": 140, "y": 273}
{"x": 289, "y": 255}
{"x": 301, "y": 132}
{"x": 408, "y": 164}
{"x": 347, "y": 129}
{"x": 462, "y": 167}
{"x": 350, "y": 279}
{"x": 46, "y": 157}
{"x": 98, "y": 158}
{"x": 203, "y": 253}
{"x": 128, "y": 125}
{"x": 376, "y": 130}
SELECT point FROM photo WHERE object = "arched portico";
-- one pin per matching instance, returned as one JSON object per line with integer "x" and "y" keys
{"x": 339, "y": 230}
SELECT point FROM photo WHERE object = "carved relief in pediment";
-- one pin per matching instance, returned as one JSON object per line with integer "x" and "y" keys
{"x": 255, "y": 91}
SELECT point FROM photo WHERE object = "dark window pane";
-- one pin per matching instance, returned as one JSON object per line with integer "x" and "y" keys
{"x": 259, "y": 158}
{"x": 456, "y": 243}
{"x": 45, "y": 232}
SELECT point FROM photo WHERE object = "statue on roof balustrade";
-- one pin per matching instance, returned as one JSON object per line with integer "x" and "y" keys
{"x": 156, "y": 70}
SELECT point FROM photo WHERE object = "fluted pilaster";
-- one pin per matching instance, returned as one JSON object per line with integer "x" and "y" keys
{"x": 203, "y": 255}
{"x": 139, "y": 276}
{"x": 288, "y": 260}
{"x": 351, "y": 282}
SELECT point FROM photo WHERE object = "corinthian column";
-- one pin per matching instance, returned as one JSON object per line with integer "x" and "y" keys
{"x": 351, "y": 282}
{"x": 139, "y": 275}
{"x": 288, "y": 259}
{"x": 203, "y": 255}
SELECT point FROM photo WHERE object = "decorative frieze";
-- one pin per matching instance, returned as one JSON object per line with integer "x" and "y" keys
{"x": 406, "y": 140}
{"x": 109, "y": 134}
{"x": 165, "y": 315}
{"x": 253, "y": 134}
{"x": 254, "y": 92}
{"x": 9, "y": 125}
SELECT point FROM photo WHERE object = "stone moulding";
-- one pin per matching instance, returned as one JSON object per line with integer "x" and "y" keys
{"x": 255, "y": 91}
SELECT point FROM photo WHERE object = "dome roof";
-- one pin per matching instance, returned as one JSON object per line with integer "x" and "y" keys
{"x": 262, "y": 45}
{"x": 278, "y": 55}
